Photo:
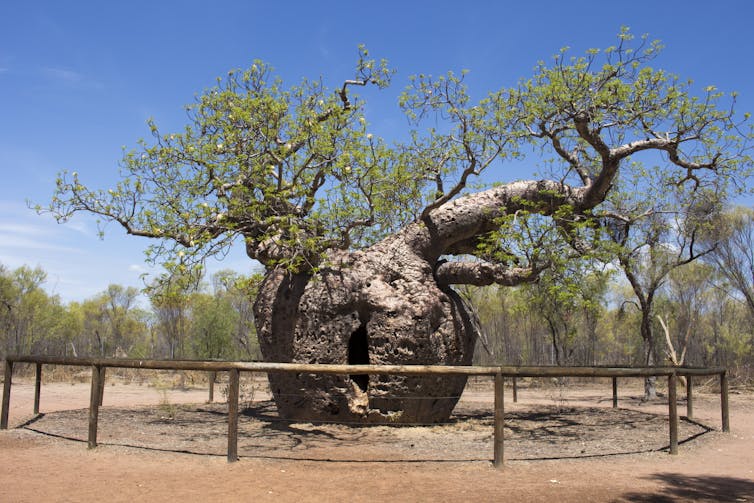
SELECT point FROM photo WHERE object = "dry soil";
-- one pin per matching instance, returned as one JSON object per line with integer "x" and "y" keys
{"x": 158, "y": 443}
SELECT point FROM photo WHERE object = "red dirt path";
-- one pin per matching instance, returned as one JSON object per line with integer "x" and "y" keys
{"x": 35, "y": 467}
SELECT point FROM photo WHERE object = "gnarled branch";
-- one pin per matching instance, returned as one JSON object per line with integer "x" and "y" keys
{"x": 480, "y": 273}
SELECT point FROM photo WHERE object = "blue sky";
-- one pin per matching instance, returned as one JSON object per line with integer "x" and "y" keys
{"x": 78, "y": 80}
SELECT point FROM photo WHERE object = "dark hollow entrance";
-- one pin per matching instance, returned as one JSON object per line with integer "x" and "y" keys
{"x": 358, "y": 354}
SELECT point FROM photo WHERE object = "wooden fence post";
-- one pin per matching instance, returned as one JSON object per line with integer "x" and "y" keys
{"x": 673, "y": 413}
{"x": 6, "y": 395}
{"x": 233, "y": 416}
{"x": 499, "y": 421}
{"x": 615, "y": 392}
{"x": 515, "y": 390}
{"x": 724, "y": 401}
{"x": 689, "y": 397}
{"x": 94, "y": 401}
{"x": 37, "y": 387}
{"x": 101, "y": 389}
{"x": 212, "y": 378}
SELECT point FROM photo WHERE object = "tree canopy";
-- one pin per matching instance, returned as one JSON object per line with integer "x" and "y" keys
{"x": 294, "y": 171}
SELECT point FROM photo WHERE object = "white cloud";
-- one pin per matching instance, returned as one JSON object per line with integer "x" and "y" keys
{"x": 18, "y": 241}
{"x": 70, "y": 77}
{"x": 65, "y": 75}
{"x": 79, "y": 226}
{"x": 20, "y": 227}
{"x": 6, "y": 228}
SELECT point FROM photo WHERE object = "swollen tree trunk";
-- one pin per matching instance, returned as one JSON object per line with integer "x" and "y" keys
{"x": 377, "y": 306}
{"x": 391, "y": 303}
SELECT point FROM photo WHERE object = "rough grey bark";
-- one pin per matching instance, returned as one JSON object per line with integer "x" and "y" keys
{"x": 375, "y": 306}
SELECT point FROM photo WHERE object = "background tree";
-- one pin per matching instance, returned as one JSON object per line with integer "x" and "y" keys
{"x": 499, "y": 339}
{"x": 240, "y": 291}
{"x": 170, "y": 299}
{"x": 732, "y": 258}
{"x": 689, "y": 292}
{"x": 213, "y": 323}
{"x": 119, "y": 303}
{"x": 34, "y": 315}
{"x": 362, "y": 240}
{"x": 112, "y": 323}
{"x": 654, "y": 244}
{"x": 733, "y": 254}
{"x": 7, "y": 296}
{"x": 569, "y": 301}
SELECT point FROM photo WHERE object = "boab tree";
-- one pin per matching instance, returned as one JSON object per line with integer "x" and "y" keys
{"x": 362, "y": 240}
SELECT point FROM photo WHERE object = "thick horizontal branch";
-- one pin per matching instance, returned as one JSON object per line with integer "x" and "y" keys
{"x": 483, "y": 273}
{"x": 456, "y": 224}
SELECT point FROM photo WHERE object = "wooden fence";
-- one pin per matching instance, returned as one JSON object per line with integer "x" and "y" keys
{"x": 234, "y": 369}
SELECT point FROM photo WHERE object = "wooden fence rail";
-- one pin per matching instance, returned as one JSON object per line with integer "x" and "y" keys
{"x": 99, "y": 366}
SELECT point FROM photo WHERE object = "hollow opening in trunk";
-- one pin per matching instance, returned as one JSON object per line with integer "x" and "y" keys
{"x": 358, "y": 354}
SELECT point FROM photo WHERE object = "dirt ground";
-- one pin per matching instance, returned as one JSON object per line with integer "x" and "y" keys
{"x": 159, "y": 443}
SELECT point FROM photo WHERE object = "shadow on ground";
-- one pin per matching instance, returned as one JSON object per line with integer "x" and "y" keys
{"x": 676, "y": 486}
{"x": 542, "y": 433}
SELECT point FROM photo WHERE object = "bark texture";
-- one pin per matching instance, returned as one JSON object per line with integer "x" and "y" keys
{"x": 378, "y": 306}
